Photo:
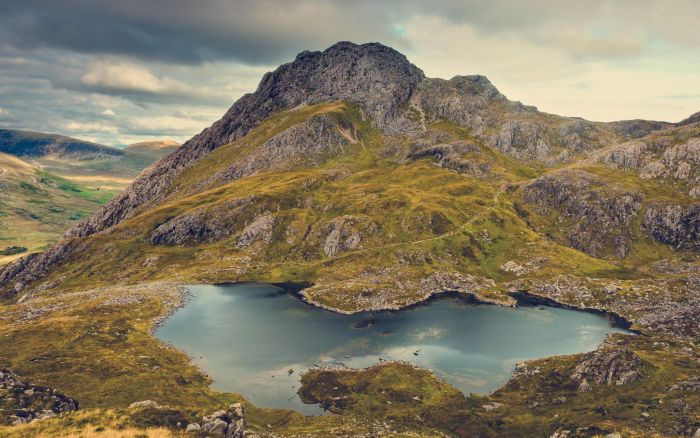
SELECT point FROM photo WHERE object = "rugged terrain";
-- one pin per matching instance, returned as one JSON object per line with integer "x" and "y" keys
{"x": 349, "y": 170}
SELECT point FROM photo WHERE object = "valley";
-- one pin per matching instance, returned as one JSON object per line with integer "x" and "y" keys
{"x": 49, "y": 183}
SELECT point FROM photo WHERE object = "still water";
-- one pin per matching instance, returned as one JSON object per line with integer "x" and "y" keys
{"x": 248, "y": 336}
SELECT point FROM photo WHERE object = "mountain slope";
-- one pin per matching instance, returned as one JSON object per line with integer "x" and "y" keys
{"x": 456, "y": 152}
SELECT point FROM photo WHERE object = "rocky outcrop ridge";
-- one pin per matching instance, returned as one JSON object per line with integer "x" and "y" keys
{"x": 451, "y": 156}
{"x": 377, "y": 78}
{"x": 304, "y": 144}
{"x": 208, "y": 224}
{"x": 610, "y": 365}
{"x": 602, "y": 216}
{"x": 676, "y": 225}
{"x": 671, "y": 154}
{"x": 15, "y": 276}
{"x": 691, "y": 120}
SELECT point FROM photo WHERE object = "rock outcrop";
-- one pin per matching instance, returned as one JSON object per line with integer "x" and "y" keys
{"x": 450, "y": 155}
{"x": 209, "y": 224}
{"x": 29, "y": 402}
{"x": 258, "y": 230}
{"x": 671, "y": 154}
{"x": 225, "y": 423}
{"x": 676, "y": 225}
{"x": 309, "y": 143}
{"x": 608, "y": 365}
{"x": 345, "y": 233}
{"x": 16, "y": 275}
{"x": 602, "y": 215}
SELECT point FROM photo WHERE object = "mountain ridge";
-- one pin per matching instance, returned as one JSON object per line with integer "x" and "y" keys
{"x": 293, "y": 84}
{"x": 37, "y": 144}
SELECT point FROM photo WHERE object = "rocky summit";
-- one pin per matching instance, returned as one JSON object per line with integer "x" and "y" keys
{"x": 350, "y": 173}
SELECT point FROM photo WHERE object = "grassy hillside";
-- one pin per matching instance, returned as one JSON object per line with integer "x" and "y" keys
{"x": 84, "y": 163}
{"x": 37, "y": 207}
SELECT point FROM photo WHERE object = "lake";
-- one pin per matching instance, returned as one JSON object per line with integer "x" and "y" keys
{"x": 249, "y": 336}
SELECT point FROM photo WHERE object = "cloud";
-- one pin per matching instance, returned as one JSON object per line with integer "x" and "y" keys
{"x": 91, "y": 127}
{"x": 164, "y": 125}
{"x": 267, "y": 31}
{"x": 119, "y": 77}
{"x": 4, "y": 112}
{"x": 108, "y": 112}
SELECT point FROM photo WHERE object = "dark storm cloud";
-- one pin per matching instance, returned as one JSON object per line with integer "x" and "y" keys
{"x": 269, "y": 31}
{"x": 187, "y": 31}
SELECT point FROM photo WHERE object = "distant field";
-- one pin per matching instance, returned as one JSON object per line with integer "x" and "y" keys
{"x": 37, "y": 207}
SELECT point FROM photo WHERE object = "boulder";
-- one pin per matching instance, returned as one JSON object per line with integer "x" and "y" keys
{"x": 609, "y": 365}
{"x": 225, "y": 423}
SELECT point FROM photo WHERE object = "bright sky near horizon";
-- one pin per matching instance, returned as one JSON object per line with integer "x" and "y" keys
{"x": 117, "y": 72}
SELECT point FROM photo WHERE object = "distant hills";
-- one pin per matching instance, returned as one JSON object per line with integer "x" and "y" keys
{"x": 50, "y": 181}
{"x": 83, "y": 162}
{"x": 153, "y": 148}
{"x": 38, "y": 144}
{"x": 36, "y": 207}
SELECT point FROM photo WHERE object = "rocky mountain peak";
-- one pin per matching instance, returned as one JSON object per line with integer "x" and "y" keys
{"x": 477, "y": 85}
{"x": 694, "y": 118}
{"x": 375, "y": 77}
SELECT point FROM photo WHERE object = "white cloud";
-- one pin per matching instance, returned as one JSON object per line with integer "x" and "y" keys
{"x": 562, "y": 78}
{"x": 4, "y": 112}
{"x": 108, "y": 112}
{"x": 91, "y": 127}
{"x": 128, "y": 77}
{"x": 165, "y": 125}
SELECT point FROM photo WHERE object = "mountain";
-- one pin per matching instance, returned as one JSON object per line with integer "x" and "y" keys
{"x": 350, "y": 172}
{"x": 84, "y": 163}
{"x": 37, "y": 144}
{"x": 352, "y": 122}
{"x": 157, "y": 149}
{"x": 36, "y": 207}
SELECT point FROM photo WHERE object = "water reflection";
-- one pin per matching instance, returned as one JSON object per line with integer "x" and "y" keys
{"x": 248, "y": 337}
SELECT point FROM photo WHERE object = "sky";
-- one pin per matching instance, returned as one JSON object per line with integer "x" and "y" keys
{"x": 118, "y": 72}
